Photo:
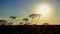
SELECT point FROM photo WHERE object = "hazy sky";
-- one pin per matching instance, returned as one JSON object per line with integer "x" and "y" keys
{"x": 22, "y": 8}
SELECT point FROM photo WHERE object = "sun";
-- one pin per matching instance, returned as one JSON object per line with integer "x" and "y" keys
{"x": 43, "y": 9}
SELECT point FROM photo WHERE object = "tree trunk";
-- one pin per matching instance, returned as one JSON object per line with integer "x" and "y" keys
{"x": 32, "y": 21}
{"x": 38, "y": 19}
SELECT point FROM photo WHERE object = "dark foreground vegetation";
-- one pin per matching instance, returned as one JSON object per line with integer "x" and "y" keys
{"x": 30, "y": 29}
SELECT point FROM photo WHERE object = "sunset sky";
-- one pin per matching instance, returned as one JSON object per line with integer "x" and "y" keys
{"x": 23, "y": 8}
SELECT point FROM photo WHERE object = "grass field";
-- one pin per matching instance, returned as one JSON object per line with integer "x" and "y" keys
{"x": 30, "y": 29}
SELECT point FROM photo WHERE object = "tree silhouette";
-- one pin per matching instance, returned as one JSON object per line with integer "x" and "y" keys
{"x": 13, "y": 18}
{"x": 26, "y": 20}
{"x": 38, "y": 17}
{"x": 10, "y": 23}
{"x": 32, "y": 16}
{"x": 46, "y": 24}
{"x": 3, "y": 22}
{"x": 20, "y": 23}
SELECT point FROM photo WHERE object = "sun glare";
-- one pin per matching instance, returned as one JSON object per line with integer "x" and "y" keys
{"x": 43, "y": 9}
